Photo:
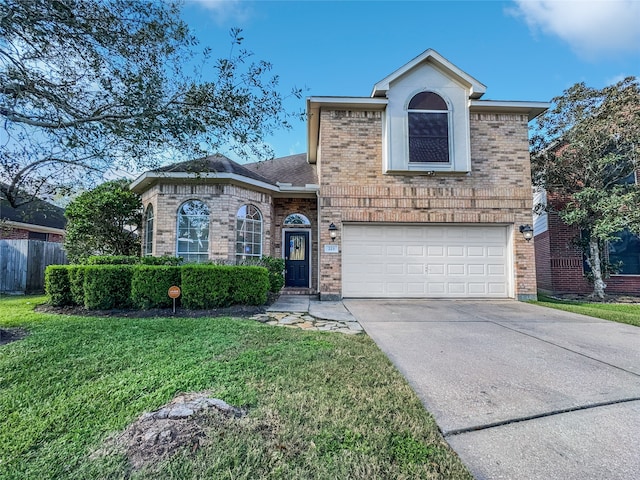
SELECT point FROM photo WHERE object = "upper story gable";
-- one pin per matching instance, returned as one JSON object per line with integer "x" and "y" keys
{"x": 426, "y": 123}
{"x": 426, "y": 106}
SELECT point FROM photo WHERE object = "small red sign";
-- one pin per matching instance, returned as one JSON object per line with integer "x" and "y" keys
{"x": 174, "y": 292}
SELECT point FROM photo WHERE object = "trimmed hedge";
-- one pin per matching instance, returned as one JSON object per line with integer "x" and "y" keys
{"x": 150, "y": 285}
{"x": 214, "y": 286}
{"x": 132, "y": 260}
{"x": 76, "y": 281}
{"x": 107, "y": 286}
{"x": 104, "y": 287}
{"x": 112, "y": 260}
{"x": 57, "y": 285}
{"x": 249, "y": 285}
{"x": 274, "y": 265}
{"x": 163, "y": 260}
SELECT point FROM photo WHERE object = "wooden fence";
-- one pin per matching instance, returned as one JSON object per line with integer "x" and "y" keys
{"x": 22, "y": 264}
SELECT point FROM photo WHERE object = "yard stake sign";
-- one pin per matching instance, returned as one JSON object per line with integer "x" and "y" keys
{"x": 174, "y": 292}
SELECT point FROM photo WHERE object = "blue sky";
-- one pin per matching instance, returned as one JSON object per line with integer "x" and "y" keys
{"x": 521, "y": 50}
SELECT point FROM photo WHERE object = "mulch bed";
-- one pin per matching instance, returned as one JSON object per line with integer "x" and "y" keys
{"x": 574, "y": 297}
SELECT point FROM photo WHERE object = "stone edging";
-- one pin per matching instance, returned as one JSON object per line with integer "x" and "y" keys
{"x": 304, "y": 321}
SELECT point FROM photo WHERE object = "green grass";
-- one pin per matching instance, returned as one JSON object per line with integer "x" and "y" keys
{"x": 320, "y": 405}
{"x": 616, "y": 312}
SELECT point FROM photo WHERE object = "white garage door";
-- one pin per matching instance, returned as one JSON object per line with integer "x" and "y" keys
{"x": 425, "y": 261}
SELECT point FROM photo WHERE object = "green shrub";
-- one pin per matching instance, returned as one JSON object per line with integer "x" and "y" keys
{"x": 206, "y": 286}
{"x": 56, "y": 285}
{"x": 112, "y": 260}
{"x": 107, "y": 286}
{"x": 163, "y": 260}
{"x": 76, "y": 281}
{"x": 249, "y": 285}
{"x": 274, "y": 265}
{"x": 150, "y": 285}
{"x": 214, "y": 286}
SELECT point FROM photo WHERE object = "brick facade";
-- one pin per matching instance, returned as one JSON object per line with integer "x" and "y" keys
{"x": 354, "y": 189}
{"x": 560, "y": 267}
{"x": 307, "y": 207}
{"x": 13, "y": 233}
{"x": 223, "y": 201}
{"x": 357, "y": 169}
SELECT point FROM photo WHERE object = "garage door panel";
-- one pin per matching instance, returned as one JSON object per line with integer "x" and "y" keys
{"x": 415, "y": 269}
{"x": 425, "y": 261}
{"x": 477, "y": 269}
{"x": 453, "y": 269}
{"x": 395, "y": 268}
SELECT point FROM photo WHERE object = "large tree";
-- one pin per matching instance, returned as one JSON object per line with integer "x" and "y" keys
{"x": 585, "y": 150}
{"x": 88, "y": 86}
{"x": 103, "y": 221}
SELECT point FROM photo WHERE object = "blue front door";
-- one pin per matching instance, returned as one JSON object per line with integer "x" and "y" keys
{"x": 296, "y": 259}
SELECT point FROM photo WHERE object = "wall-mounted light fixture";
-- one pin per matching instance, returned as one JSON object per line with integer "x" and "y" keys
{"x": 527, "y": 232}
{"x": 333, "y": 231}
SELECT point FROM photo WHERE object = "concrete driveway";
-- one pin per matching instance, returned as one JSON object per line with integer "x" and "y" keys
{"x": 519, "y": 391}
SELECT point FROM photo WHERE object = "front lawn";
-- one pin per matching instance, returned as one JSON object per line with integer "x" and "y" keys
{"x": 319, "y": 405}
{"x": 616, "y": 312}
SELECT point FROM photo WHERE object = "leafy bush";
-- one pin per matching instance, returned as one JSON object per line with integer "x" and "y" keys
{"x": 76, "y": 281}
{"x": 275, "y": 266}
{"x": 163, "y": 260}
{"x": 214, "y": 286}
{"x": 107, "y": 286}
{"x": 206, "y": 286}
{"x": 56, "y": 285}
{"x": 249, "y": 285}
{"x": 150, "y": 285}
{"x": 112, "y": 260}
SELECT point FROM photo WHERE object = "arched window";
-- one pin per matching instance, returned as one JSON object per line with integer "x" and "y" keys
{"x": 428, "y": 129}
{"x": 147, "y": 247}
{"x": 248, "y": 233}
{"x": 297, "y": 219}
{"x": 193, "y": 231}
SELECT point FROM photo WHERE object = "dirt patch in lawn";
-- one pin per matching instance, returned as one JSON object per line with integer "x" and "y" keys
{"x": 183, "y": 423}
{"x": 8, "y": 335}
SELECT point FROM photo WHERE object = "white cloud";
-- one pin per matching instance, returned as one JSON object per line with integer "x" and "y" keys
{"x": 226, "y": 10}
{"x": 591, "y": 27}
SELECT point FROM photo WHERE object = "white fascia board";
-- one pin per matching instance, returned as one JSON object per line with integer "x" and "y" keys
{"x": 33, "y": 227}
{"x": 476, "y": 88}
{"x": 150, "y": 177}
{"x": 315, "y": 104}
{"x": 348, "y": 102}
{"x": 531, "y": 109}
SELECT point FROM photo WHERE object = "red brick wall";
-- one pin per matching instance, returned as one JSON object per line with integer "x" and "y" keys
{"x": 11, "y": 233}
{"x": 565, "y": 263}
{"x": 543, "y": 261}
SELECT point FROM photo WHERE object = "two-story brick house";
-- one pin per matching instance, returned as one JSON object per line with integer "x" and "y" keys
{"x": 418, "y": 190}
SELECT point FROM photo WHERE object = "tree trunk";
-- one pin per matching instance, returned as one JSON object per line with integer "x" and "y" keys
{"x": 596, "y": 270}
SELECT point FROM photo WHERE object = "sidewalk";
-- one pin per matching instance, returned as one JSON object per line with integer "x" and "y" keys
{"x": 308, "y": 313}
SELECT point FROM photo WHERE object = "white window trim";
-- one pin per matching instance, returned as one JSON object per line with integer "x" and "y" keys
{"x": 243, "y": 256}
{"x": 202, "y": 256}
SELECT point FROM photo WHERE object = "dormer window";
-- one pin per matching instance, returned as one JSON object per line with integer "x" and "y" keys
{"x": 428, "y": 116}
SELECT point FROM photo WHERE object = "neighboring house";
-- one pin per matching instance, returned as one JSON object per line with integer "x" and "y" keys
{"x": 560, "y": 263}
{"x": 416, "y": 191}
{"x": 31, "y": 238}
{"x": 35, "y": 220}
